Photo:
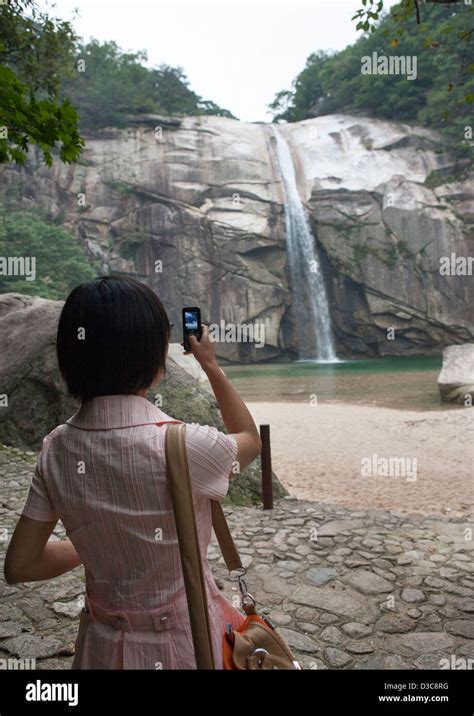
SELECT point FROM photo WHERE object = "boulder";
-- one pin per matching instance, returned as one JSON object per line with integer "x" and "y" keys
{"x": 187, "y": 363}
{"x": 456, "y": 379}
{"x": 33, "y": 397}
{"x": 29, "y": 375}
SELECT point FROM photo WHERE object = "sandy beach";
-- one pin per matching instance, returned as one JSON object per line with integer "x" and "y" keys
{"x": 350, "y": 455}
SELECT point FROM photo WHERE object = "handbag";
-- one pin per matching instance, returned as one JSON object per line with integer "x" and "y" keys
{"x": 256, "y": 644}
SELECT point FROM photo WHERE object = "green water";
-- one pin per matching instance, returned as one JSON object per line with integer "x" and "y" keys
{"x": 401, "y": 383}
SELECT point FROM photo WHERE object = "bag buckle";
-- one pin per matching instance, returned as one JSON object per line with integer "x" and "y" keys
{"x": 247, "y": 598}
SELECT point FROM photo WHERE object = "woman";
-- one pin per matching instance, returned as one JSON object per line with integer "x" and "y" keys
{"x": 103, "y": 474}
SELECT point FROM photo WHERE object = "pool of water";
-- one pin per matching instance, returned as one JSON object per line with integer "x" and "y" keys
{"x": 401, "y": 383}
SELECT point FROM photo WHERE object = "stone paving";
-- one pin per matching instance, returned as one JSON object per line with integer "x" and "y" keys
{"x": 349, "y": 589}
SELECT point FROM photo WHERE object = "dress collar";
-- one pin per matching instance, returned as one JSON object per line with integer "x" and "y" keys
{"x": 106, "y": 412}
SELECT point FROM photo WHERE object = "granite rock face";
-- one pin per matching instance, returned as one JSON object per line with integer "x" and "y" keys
{"x": 194, "y": 206}
{"x": 33, "y": 397}
{"x": 388, "y": 225}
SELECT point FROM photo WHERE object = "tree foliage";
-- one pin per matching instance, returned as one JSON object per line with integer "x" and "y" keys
{"x": 60, "y": 261}
{"x": 51, "y": 83}
{"x": 36, "y": 51}
{"x": 111, "y": 84}
{"x": 441, "y": 97}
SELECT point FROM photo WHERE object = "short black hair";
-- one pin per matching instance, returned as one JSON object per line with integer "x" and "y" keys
{"x": 112, "y": 339}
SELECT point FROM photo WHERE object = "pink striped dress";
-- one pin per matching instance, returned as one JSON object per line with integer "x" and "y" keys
{"x": 102, "y": 473}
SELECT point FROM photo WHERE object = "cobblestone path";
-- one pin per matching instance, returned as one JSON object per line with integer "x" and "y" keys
{"x": 349, "y": 589}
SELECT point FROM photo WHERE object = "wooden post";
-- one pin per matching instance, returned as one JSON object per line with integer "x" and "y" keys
{"x": 266, "y": 461}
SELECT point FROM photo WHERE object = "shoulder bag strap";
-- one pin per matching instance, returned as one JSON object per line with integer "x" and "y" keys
{"x": 219, "y": 522}
{"x": 224, "y": 537}
{"x": 179, "y": 482}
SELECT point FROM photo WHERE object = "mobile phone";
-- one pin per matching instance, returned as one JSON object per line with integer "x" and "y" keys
{"x": 191, "y": 325}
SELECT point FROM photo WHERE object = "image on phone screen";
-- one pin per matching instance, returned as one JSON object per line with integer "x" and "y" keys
{"x": 191, "y": 320}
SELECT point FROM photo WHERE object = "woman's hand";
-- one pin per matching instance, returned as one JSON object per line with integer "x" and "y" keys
{"x": 203, "y": 350}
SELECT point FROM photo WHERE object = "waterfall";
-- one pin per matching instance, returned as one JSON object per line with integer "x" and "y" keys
{"x": 310, "y": 301}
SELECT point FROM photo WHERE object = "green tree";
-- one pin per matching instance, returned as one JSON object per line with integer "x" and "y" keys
{"x": 172, "y": 91}
{"x": 112, "y": 84}
{"x": 36, "y": 51}
{"x": 60, "y": 263}
{"x": 108, "y": 85}
{"x": 441, "y": 96}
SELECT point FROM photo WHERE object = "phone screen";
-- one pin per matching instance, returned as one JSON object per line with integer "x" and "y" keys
{"x": 191, "y": 322}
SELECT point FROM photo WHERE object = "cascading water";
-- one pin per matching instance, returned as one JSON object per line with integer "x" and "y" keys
{"x": 311, "y": 307}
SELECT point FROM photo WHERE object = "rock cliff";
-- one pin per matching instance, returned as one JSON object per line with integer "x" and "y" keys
{"x": 194, "y": 206}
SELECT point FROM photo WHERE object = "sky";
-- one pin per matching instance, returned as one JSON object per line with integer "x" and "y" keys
{"x": 238, "y": 55}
